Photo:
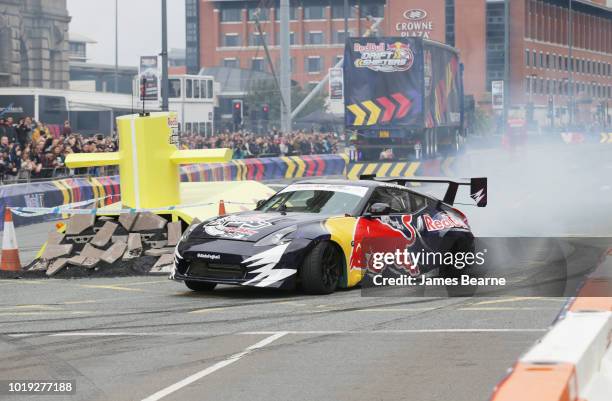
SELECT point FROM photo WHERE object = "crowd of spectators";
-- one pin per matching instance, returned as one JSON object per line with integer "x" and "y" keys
{"x": 247, "y": 144}
{"x": 29, "y": 150}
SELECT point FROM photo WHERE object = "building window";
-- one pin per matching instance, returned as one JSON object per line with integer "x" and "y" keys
{"x": 314, "y": 38}
{"x": 257, "y": 64}
{"x": 231, "y": 14}
{"x": 340, "y": 37}
{"x": 313, "y": 64}
{"x": 77, "y": 49}
{"x": 210, "y": 88}
{"x": 196, "y": 88}
{"x": 262, "y": 12}
{"x": 372, "y": 10}
{"x": 338, "y": 10}
{"x": 231, "y": 40}
{"x": 314, "y": 12}
{"x": 256, "y": 40}
{"x": 292, "y": 13}
{"x": 231, "y": 63}
{"x": 174, "y": 86}
{"x": 527, "y": 57}
{"x": 291, "y": 38}
{"x": 450, "y": 22}
{"x": 189, "y": 88}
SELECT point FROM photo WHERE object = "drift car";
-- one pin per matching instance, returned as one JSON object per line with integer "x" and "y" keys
{"x": 322, "y": 234}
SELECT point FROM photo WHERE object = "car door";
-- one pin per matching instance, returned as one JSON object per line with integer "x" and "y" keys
{"x": 389, "y": 233}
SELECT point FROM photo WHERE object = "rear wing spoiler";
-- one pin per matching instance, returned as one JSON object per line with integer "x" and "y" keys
{"x": 478, "y": 186}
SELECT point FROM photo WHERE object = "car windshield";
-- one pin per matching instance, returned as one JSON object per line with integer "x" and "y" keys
{"x": 322, "y": 199}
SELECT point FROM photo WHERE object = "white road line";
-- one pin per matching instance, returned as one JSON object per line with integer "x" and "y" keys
{"x": 298, "y": 332}
{"x": 219, "y": 365}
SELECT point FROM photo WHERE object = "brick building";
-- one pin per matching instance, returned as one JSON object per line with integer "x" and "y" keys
{"x": 223, "y": 33}
{"x": 34, "y": 43}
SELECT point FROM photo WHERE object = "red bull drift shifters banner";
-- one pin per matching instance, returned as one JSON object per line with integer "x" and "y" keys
{"x": 384, "y": 81}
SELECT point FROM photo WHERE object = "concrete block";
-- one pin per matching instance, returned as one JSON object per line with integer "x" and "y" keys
{"x": 159, "y": 251}
{"x": 41, "y": 264}
{"x": 77, "y": 260}
{"x": 157, "y": 244}
{"x": 90, "y": 263}
{"x": 114, "y": 252}
{"x": 56, "y": 266}
{"x": 53, "y": 251}
{"x": 104, "y": 234}
{"x": 119, "y": 238}
{"x": 90, "y": 251}
{"x": 54, "y": 238}
{"x": 174, "y": 233}
{"x": 127, "y": 220}
{"x": 148, "y": 221}
{"x": 163, "y": 264}
{"x": 78, "y": 223}
{"x": 134, "y": 247}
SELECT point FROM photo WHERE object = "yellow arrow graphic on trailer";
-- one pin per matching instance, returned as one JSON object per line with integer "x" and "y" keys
{"x": 374, "y": 111}
{"x": 359, "y": 114}
{"x": 606, "y": 137}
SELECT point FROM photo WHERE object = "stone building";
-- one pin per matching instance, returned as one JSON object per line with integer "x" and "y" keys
{"x": 34, "y": 43}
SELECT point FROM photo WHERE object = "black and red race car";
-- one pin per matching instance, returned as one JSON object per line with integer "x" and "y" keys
{"x": 322, "y": 234}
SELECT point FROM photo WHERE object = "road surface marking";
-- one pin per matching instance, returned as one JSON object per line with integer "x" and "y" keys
{"x": 205, "y": 310}
{"x": 112, "y": 287}
{"x": 515, "y": 299}
{"x": 219, "y": 365}
{"x": 506, "y": 308}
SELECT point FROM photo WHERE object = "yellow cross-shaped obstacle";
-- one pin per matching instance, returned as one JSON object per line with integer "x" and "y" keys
{"x": 148, "y": 160}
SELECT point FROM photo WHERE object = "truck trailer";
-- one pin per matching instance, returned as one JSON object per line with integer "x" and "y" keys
{"x": 403, "y": 98}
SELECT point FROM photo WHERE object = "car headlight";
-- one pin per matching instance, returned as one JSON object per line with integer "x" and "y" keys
{"x": 277, "y": 238}
{"x": 188, "y": 231}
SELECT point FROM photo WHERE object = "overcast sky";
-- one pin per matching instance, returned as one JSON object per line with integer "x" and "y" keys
{"x": 139, "y": 28}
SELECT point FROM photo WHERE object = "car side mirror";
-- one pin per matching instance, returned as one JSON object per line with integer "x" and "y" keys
{"x": 379, "y": 208}
{"x": 260, "y": 203}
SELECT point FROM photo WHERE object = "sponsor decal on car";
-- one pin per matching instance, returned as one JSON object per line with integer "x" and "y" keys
{"x": 236, "y": 226}
{"x": 442, "y": 222}
{"x": 208, "y": 256}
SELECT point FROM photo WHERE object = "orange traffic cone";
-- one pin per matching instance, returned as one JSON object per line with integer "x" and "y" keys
{"x": 10, "y": 250}
{"x": 222, "y": 208}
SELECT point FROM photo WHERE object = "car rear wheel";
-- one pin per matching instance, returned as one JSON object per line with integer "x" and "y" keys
{"x": 200, "y": 286}
{"x": 321, "y": 269}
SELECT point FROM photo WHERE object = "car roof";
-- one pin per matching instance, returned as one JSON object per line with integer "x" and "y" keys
{"x": 356, "y": 183}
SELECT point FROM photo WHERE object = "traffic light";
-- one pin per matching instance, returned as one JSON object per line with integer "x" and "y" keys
{"x": 237, "y": 112}
{"x": 265, "y": 112}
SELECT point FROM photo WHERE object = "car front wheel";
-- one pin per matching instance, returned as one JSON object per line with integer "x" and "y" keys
{"x": 321, "y": 269}
{"x": 200, "y": 286}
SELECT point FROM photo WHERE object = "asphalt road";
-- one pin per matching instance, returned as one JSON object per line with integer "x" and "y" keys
{"x": 130, "y": 338}
{"x": 139, "y": 338}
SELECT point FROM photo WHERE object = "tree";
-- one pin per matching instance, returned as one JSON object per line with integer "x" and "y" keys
{"x": 264, "y": 91}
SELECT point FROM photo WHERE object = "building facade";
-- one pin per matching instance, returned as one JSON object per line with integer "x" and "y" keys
{"x": 224, "y": 34}
{"x": 34, "y": 43}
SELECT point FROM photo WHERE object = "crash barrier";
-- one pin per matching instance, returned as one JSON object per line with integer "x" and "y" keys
{"x": 267, "y": 168}
{"x": 573, "y": 361}
{"x": 573, "y": 137}
{"x": 65, "y": 191}
{"x": 56, "y": 193}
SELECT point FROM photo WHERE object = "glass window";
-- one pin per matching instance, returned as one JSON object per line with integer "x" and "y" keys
{"x": 257, "y": 64}
{"x": 292, "y": 13}
{"x": 339, "y": 37}
{"x": 313, "y": 64}
{"x": 209, "y": 84}
{"x": 189, "y": 89}
{"x": 203, "y": 89}
{"x": 527, "y": 58}
{"x": 338, "y": 11}
{"x": 202, "y": 130}
{"x": 196, "y": 88}
{"x": 314, "y": 12}
{"x": 314, "y": 38}
{"x": 418, "y": 201}
{"x": 256, "y": 40}
{"x": 397, "y": 199}
{"x": 263, "y": 14}
{"x": 373, "y": 10}
{"x": 291, "y": 38}
{"x": 313, "y": 201}
{"x": 231, "y": 14}
{"x": 175, "y": 88}
{"x": 231, "y": 40}
{"x": 188, "y": 127}
{"x": 231, "y": 63}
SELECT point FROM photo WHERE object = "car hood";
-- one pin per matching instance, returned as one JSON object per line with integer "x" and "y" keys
{"x": 251, "y": 226}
